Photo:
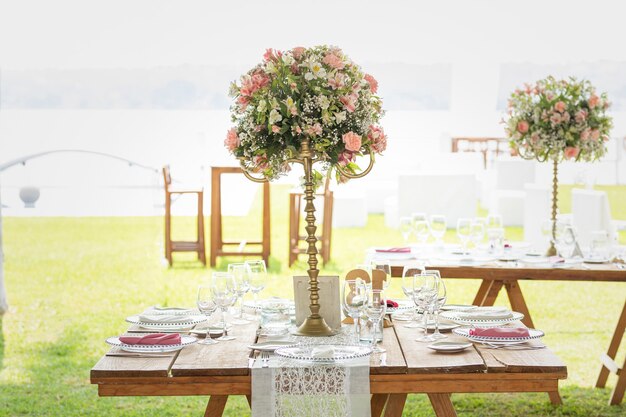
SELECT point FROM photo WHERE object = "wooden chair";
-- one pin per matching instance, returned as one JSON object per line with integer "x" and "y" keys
{"x": 609, "y": 365}
{"x": 296, "y": 204}
{"x": 217, "y": 242}
{"x": 182, "y": 246}
{"x": 486, "y": 146}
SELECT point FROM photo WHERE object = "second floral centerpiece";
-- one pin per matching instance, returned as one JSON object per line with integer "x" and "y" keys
{"x": 307, "y": 106}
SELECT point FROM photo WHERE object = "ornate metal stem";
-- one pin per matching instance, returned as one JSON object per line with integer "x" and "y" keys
{"x": 555, "y": 184}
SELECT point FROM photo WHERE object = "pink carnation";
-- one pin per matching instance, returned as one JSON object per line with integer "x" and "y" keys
{"x": 333, "y": 61}
{"x": 275, "y": 129}
{"x": 377, "y": 138}
{"x": 595, "y": 135}
{"x": 584, "y": 135}
{"x": 559, "y": 106}
{"x": 297, "y": 52}
{"x": 522, "y": 126}
{"x": 570, "y": 152}
{"x": 581, "y": 115}
{"x": 232, "y": 140}
{"x": 593, "y": 101}
{"x": 372, "y": 82}
{"x": 352, "y": 141}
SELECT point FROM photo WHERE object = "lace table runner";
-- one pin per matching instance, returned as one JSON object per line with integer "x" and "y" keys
{"x": 291, "y": 388}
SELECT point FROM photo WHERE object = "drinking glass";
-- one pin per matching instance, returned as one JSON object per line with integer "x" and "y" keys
{"x": 599, "y": 246}
{"x": 207, "y": 306}
{"x": 353, "y": 300}
{"x": 406, "y": 227}
{"x": 417, "y": 217}
{"x": 566, "y": 241}
{"x": 408, "y": 275}
{"x": 477, "y": 232}
{"x": 438, "y": 227}
{"x": 375, "y": 308}
{"x": 257, "y": 278}
{"x": 224, "y": 290}
{"x": 422, "y": 231}
{"x": 464, "y": 231}
{"x": 493, "y": 221}
{"x": 496, "y": 240}
{"x": 385, "y": 266}
{"x": 440, "y": 301}
{"x": 240, "y": 273}
{"x": 424, "y": 294}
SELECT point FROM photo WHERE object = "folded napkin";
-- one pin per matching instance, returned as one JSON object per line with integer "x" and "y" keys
{"x": 152, "y": 339}
{"x": 500, "y": 332}
{"x": 486, "y": 313}
{"x": 163, "y": 318}
{"x": 170, "y": 310}
{"x": 395, "y": 250}
{"x": 391, "y": 303}
{"x": 323, "y": 351}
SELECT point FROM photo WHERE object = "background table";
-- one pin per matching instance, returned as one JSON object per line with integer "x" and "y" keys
{"x": 407, "y": 367}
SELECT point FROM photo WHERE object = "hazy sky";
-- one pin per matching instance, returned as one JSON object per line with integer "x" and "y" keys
{"x": 145, "y": 33}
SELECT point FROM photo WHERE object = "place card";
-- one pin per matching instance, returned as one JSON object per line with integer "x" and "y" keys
{"x": 330, "y": 304}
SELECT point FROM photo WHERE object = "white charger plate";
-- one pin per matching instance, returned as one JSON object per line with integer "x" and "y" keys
{"x": 185, "y": 324}
{"x": 454, "y": 316}
{"x": 458, "y": 307}
{"x": 340, "y": 352}
{"x": 184, "y": 341}
{"x": 272, "y": 345}
{"x": 533, "y": 334}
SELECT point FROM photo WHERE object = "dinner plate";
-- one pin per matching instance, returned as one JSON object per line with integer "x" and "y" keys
{"x": 188, "y": 323}
{"x": 457, "y": 307}
{"x": 443, "y": 326}
{"x": 339, "y": 353}
{"x": 184, "y": 341}
{"x": 596, "y": 260}
{"x": 449, "y": 347}
{"x": 493, "y": 322}
{"x": 533, "y": 334}
{"x": 271, "y": 345}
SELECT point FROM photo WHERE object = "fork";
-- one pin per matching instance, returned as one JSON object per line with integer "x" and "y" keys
{"x": 514, "y": 347}
{"x": 265, "y": 358}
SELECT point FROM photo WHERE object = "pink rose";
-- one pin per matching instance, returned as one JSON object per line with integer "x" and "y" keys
{"x": 352, "y": 141}
{"x": 522, "y": 126}
{"x": 333, "y": 61}
{"x": 232, "y": 140}
{"x": 581, "y": 115}
{"x": 275, "y": 129}
{"x": 297, "y": 52}
{"x": 372, "y": 82}
{"x": 593, "y": 101}
{"x": 584, "y": 135}
{"x": 559, "y": 106}
{"x": 595, "y": 135}
{"x": 377, "y": 138}
{"x": 570, "y": 152}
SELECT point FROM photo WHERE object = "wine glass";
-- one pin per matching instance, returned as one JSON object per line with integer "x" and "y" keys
{"x": 424, "y": 294}
{"x": 375, "y": 308}
{"x": 385, "y": 266}
{"x": 438, "y": 227}
{"x": 224, "y": 289}
{"x": 566, "y": 241}
{"x": 464, "y": 231}
{"x": 418, "y": 217}
{"x": 493, "y": 221}
{"x": 440, "y": 300}
{"x": 477, "y": 232}
{"x": 240, "y": 273}
{"x": 207, "y": 306}
{"x": 408, "y": 275}
{"x": 422, "y": 231}
{"x": 257, "y": 278}
{"x": 406, "y": 227}
{"x": 353, "y": 301}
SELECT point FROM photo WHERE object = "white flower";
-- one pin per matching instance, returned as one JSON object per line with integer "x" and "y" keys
{"x": 324, "y": 102}
{"x": 262, "y": 107}
{"x": 309, "y": 76}
{"x": 288, "y": 59}
{"x": 270, "y": 67}
{"x": 317, "y": 70}
{"x": 340, "y": 116}
{"x": 275, "y": 116}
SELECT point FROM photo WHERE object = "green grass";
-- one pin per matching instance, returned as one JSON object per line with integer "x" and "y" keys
{"x": 72, "y": 281}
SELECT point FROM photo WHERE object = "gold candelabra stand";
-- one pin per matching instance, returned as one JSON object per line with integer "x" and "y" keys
{"x": 314, "y": 324}
{"x": 555, "y": 188}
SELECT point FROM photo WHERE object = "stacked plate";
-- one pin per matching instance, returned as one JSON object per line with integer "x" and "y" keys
{"x": 483, "y": 316}
{"x": 185, "y": 340}
{"x": 497, "y": 340}
{"x": 166, "y": 321}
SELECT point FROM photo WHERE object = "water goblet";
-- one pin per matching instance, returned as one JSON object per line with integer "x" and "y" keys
{"x": 353, "y": 302}
{"x": 257, "y": 278}
{"x": 408, "y": 274}
{"x": 438, "y": 227}
{"x": 464, "y": 231}
{"x": 477, "y": 232}
{"x": 207, "y": 306}
{"x": 406, "y": 228}
{"x": 424, "y": 294}
{"x": 375, "y": 308}
{"x": 439, "y": 301}
{"x": 224, "y": 288}
{"x": 422, "y": 231}
{"x": 240, "y": 273}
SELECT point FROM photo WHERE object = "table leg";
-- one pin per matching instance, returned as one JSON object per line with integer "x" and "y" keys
{"x": 442, "y": 405}
{"x": 482, "y": 292}
{"x": 555, "y": 398}
{"x": 215, "y": 407}
{"x": 249, "y": 398}
{"x": 613, "y": 347}
{"x": 516, "y": 298}
{"x": 378, "y": 404}
{"x": 487, "y": 293}
{"x": 395, "y": 405}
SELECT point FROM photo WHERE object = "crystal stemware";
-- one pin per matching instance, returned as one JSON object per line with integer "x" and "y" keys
{"x": 240, "y": 273}
{"x": 406, "y": 228}
{"x": 424, "y": 294}
{"x": 207, "y": 306}
{"x": 440, "y": 301}
{"x": 438, "y": 227}
{"x": 353, "y": 301}
{"x": 224, "y": 290}
{"x": 375, "y": 308}
{"x": 464, "y": 232}
{"x": 257, "y": 278}
{"x": 408, "y": 274}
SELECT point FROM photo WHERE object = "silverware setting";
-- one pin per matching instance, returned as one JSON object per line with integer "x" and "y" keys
{"x": 137, "y": 355}
{"x": 265, "y": 358}
{"x": 513, "y": 347}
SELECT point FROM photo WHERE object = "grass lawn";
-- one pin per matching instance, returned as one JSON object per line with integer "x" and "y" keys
{"x": 72, "y": 281}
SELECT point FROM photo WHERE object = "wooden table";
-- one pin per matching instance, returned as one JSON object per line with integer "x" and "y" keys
{"x": 410, "y": 367}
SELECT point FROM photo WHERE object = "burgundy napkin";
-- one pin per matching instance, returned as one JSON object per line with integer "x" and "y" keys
{"x": 500, "y": 332}
{"x": 394, "y": 250}
{"x": 152, "y": 339}
{"x": 391, "y": 303}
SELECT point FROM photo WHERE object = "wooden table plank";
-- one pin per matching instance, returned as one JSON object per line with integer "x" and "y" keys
{"x": 224, "y": 358}
{"x": 394, "y": 362}
{"x": 420, "y": 359}
{"x": 121, "y": 367}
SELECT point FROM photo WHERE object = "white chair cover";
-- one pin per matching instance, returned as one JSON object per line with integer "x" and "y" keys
{"x": 591, "y": 212}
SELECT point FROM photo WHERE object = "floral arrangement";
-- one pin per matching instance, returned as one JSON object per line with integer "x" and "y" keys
{"x": 558, "y": 119}
{"x": 316, "y": 93}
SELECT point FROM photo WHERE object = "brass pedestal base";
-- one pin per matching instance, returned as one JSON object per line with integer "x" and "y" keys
{"x": 314, "y": 326}
{"x": 551, "y": 251}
